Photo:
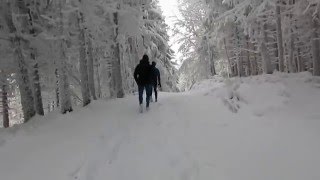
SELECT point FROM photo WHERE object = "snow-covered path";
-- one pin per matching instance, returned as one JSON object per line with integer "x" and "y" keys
{"x": 188, "y": 136}
{"x": 164, "y": 143}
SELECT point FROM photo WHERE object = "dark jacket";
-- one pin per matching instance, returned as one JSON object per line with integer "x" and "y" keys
{"x": 142, "y": 73}
{"x": 155, "y": 76}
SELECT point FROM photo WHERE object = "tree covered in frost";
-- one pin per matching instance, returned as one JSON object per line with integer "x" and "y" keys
{"x": 64, "y": 53}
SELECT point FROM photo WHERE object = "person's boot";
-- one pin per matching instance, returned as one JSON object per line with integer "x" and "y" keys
{"x": 141, "y": 108}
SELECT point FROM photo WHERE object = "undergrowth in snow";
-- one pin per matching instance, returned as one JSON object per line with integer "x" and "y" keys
{"x": 261, "y": 94}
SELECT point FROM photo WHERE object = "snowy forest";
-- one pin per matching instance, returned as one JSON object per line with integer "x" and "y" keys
{"x": 56, "y": 54}
{"x": 247, "y": 38}
{"x": 65, "y": 53}
{"x": 238, "y": 97}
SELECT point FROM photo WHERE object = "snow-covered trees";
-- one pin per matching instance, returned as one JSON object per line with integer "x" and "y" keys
{"x": 155, "y": 40}
{"x": 196, "y": 46}
{"x": 259, "y": 36}
{"x": 70, "y": 52}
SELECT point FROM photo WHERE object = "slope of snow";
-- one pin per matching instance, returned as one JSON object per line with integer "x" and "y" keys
{"x": 264, "y": 127}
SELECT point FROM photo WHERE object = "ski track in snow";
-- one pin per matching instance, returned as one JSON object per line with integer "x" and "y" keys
{"x": 184, "y": 136}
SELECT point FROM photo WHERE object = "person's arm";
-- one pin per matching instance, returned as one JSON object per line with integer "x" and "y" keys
{"x": 135, "y": 74}
{"x": 159, "y": 80}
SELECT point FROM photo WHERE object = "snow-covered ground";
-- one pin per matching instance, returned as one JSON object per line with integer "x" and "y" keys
{"x": 259, "y": 128}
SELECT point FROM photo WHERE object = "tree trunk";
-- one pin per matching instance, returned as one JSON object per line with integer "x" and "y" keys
{"x": 91, "y": 70}
{"x": 57, "y": 88}
{"x": 291, "y": 60}
{"x": 34, "y": 14}
{"x": 98, "y": 81}
{"x": 111, "y": 77}
{"x": 280, "y": 39}
{"x": 227, "y": 54}
{"x": 98, "y": 65}
{"x": 254, "y": 65}
{"x": 83, "y": 64}
{"x": 5, "y": 103}
{"x": 117, "y": 77}
{"x": 23, "y": 80}
{"x": 36, "y": 85}
{"x": 316, "y": 48}
{"x": 212, "y": 66}
{"x": 239, "y": 53}
{"x": 134, "y": 50}
{"x": 235, "y": 69}
{"x": 27, "y": 99}
{"x": 64, "y": 88}
{"x": 301, "y": 63}
{"x": 266, "y": 61}
{"x": 248, "y": 57}
{"x": 310, "y": 63}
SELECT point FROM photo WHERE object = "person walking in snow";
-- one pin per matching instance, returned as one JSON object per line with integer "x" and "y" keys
{"x": 143, "y": 80}
{"x": 155, "y": 80}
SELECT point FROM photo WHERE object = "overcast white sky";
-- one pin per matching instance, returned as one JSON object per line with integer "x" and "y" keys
{"x": 170, "y": 8}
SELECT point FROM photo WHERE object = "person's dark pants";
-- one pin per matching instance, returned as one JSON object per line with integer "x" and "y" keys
{"x": 155, "y": 89}
{"x": 148, "y": 89}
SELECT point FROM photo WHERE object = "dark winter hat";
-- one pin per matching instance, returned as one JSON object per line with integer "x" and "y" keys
{"x": 145, "y": 58}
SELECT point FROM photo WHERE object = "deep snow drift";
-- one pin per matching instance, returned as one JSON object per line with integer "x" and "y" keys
{"x": 258, "y": 128}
